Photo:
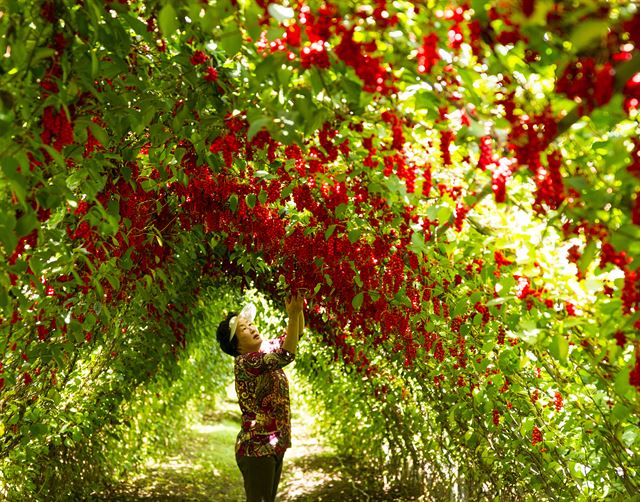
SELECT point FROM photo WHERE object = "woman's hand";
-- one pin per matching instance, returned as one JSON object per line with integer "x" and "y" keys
{"x": 294, "y": 305}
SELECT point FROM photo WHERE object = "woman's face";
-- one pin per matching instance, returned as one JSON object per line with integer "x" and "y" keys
{"x": 249, "y": 340}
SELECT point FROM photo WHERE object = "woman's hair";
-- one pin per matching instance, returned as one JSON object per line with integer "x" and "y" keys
{"x": 228, "y": 346}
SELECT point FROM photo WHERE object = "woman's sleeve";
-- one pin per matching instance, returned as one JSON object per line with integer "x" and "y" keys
{"x": 256, "y": 363}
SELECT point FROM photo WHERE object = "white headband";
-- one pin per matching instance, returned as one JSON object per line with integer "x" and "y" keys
{"x": 248, "y": 312}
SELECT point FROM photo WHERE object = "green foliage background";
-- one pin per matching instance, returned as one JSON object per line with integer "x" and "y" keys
{"x": 125, "y": 241}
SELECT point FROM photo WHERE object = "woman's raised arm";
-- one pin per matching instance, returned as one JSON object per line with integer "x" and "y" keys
{"x": 295, "y": 325}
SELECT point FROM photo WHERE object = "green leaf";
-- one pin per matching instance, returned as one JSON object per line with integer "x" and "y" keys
{"x": 418, "y": 245}
{"x": 329, "y": 231}
{"x": 76, "y": 179}
{"x": 508, "y": 361}
{"x": 357, "y": 301}
{"x": 4, "y": 299}
{"x": 257, "y": 124}
{"x": 354, "y": 235}
{"x": 620, "y": 411}
{"x": 266, "y": 67}
{"x": 528, "y": 333}
{"x": 95, "y": 64}
{"x": 341, "y": 211}
{"x": 210, "y": 20}
{"x": 444, "y": 213}
{"x": 114, "y": 281}
{"x": 26, "y": 224}
{"x": 149, "y": 185}
{"x": 352, "y": 90}
{"x": 621, "y": 383}
{"x": 231, "y": 40}
{"x": 168, "y": 20}
{"x": 38, "y": 429}
{"x": 461, "y": 306}
{"x": 253, "y": 13}
{"x": 588, "y": 33}
{"x": 250, "y": 199}
{"x": 9, "y": 166}
{"x": 99, "y": 133}
{"x": 587, "y": 256}
{"x": 527, "y": 425}
{"x": 284, "y": 76}
{"x": 426, "y": 99}
{"x": 7, "y": 234}
{"x": 559, "y": 348}
{"x": 500, "y": 300}
{"x": 629, "y": 436}
{"x": 233, "y": 203}
{"x": 136, "y": 25}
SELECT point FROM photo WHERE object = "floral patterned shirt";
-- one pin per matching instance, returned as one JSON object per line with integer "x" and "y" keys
{"x": 263, "y": 395}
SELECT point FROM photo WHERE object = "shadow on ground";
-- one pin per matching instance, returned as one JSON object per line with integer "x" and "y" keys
{"x": 203, "y": 468}
{"x": 318, "y": 477}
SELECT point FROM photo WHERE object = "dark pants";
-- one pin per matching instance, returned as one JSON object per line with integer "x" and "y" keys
{"x": 261, "y": 477}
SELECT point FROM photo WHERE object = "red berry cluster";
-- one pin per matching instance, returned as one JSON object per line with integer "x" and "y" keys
{"x": 621, "y": 339}
{"x": 528, "y": 6}
{"x": 397, "y": 132}
{"x": 428, "y": 54}
{"x": 510, "y": 34}
{"x": 529, "y": 136}
{"x": 535, "y": 396}
{"x": 368, "y": 68}
{"x": 293, "y": 35}
{"x": 212, "y": 74}
{"x": 198, "y": 58}
{"x": 438, "y": 352}
{"x": 382, "y": 16}
{"x": 608, "y": 254}
{"x": 319, "y": 26}
{"x": 92, "y": 144}
{"x": 632, "y": 94}
{"x": 57, "y": 128}
{"x": 486, "y": 152}
{"x": 446, "y": 138}
{"x": 587, "y": 83}
{"x": 501, "y": 261}
{"x": 536, "y": 436}
{"x": 230, "y": 144}
{"x": 482, "y": 309}
{"x": 461, "y": 214}
{"x": 314, "y": 54}
{"x": 500, "y": 174}
{"x": 557, "y": 400}
{"x": 631, "y": 291}
{"x": 632, "y": 27}
{"x": 458, "y": 27}
{"x": 550, "y": 188}
{"x": 634, "y": 374}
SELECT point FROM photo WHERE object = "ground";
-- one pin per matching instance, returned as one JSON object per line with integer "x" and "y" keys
{"x": 203, "y": 467}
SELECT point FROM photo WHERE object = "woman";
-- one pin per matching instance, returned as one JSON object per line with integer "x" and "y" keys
{"x": 263, "y": 396}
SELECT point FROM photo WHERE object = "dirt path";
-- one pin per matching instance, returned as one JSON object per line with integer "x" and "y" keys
{"x": 203, "y": 468}
{"x": 314, "y": 473}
